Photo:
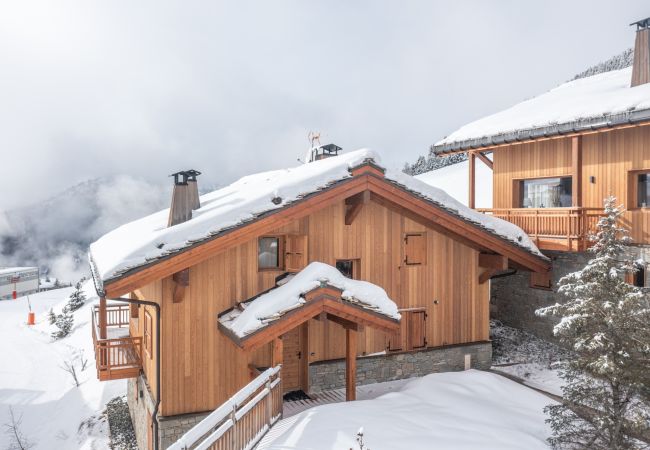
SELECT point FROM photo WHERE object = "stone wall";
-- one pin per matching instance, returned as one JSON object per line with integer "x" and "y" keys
{"x": 172, "y": 428}
{"x": 141, "y": 406}
{"x": 513, "y": 301}
{"x": 394, "y": 366}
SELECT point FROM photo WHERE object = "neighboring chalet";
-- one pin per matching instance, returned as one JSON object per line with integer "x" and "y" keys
{"x": 333, "y": 269}
{"x": 18, "y": 281}
{"x": 554, "y": 159}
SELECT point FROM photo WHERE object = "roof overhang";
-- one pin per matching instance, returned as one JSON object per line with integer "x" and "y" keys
{"x": 366, "y": 177}
{"x": 578, "y": 127}
{"x": 323, "y": 300}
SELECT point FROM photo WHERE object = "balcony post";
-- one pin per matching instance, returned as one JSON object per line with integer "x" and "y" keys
{"x": 472, "y": 180}
{"x": 102, "y": 318}
{"x": 350, "y": 365}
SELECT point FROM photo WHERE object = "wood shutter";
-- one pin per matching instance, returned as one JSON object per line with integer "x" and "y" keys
{"x": 412, "y": 334}
{"x": 415, "y": 249}
{"x": 417, "y": 330}
{"x": 295, "y": 252}
{"x": 541, "y": 280}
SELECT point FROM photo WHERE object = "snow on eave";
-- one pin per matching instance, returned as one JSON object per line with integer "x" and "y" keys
{"x": 597, "y": 102}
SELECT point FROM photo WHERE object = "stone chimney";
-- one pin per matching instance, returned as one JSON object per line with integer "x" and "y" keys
{"x": 641, "y": 67}
{"x": 184, "y": 197}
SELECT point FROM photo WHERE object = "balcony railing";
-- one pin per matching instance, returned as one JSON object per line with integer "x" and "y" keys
{"x": 565, "y": 229}
{"x": 118, "y": 355}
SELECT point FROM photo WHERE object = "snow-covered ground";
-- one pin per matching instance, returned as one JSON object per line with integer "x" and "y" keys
{"x": 453, "y": 180}
{"x": 55, "y": 413}
{"x": 457, "y": 410}
{"x": 528, "y": 357}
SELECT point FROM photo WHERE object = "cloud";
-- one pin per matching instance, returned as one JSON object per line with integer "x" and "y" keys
{"x": 92, "y": 88}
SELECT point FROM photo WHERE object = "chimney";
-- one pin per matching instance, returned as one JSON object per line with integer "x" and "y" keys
{"x": 182, "y": 197}
{"x": 195, "y": 202}
{"x": 323, "y": 151}
{"x": 641, "y": 67}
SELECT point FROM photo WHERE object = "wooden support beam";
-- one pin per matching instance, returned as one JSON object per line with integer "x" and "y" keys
{"x": 576, "y": 170}
{"x": 347, "y": 324}
{"x": 354, "y": 204}
{"x": 486, "y": 275}
{"x": 496, "y": 262}
{"x": 471, "y": 202}
{"x": 181, "y": 281}
{"x": 278, "y": 350}
{"x": 102, "y": 318}
{"x": 487, "y": 161}
{"x": 350, "y": 365}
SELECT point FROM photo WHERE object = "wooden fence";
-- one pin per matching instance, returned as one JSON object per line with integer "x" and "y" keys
{"x": 118, "y": 357}
{"x": 240, "y": 422}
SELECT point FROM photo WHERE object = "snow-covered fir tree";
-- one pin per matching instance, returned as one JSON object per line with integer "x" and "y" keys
{"x": 77, "y": 298}
{"x": 605, "y": 321}
{"x": 432, "y": 162}
{"x": 63, "y": 324}
{"x": 51, "y": 317}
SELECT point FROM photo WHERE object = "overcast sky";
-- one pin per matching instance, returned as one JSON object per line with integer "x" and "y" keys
{"x": 90, "y": 89}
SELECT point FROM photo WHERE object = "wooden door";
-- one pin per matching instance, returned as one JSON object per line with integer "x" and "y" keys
{"x": 417, "y": 337}
{"x": 292, "y": 358}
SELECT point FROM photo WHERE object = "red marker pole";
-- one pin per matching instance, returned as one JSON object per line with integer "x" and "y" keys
{"x": 13, "y": 295}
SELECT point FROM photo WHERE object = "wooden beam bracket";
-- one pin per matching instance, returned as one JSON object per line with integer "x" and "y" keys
{"x": 490, "y": 261}
{"x": 486, "y": 275}
{"x": 181, "y": 281}
{"x": 487, "y": 161}
{"x": 354, "y": 204}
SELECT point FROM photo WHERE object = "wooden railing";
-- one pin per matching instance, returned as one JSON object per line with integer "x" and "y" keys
{"x": 241, "y": 421}
{"x": 553, "y": 228}
{"x": 117, "y": 357}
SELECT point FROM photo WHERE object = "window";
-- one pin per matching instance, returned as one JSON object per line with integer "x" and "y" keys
{"x": 546, "y": 193}
{"x": 643, "y": 190}
{"x": 415, "y": 249}
{"x": 147, "y": 333}
{"x": 639, "y": 277}
{"x": 268, "y": 253}
{"x": 349, "y": 268}
{"x": 541, "y": 280}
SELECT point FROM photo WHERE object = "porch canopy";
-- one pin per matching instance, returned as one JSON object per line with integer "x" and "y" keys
{"x": 318, "y": 291}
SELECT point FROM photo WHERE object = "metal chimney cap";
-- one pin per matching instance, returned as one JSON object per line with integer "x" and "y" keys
{"x": 183, "y": 176}
{"x": 641, "y": 24}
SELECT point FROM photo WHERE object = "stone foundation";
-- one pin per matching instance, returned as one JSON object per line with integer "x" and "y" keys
{"x": 513, "y": 301}
{"x": 172, "y": 428}
{"x": 141, "y": 406}
{"x": 395, "y": 366}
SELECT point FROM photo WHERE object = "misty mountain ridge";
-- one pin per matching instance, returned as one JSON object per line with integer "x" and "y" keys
{"x": 55, "y": 234}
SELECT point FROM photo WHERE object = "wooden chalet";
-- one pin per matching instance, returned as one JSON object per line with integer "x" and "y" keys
{"x": 167, "y": 289}
{"x": 557, "y": 156}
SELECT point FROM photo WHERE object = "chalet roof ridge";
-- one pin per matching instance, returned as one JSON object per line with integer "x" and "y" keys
{"x": 144, "y": 237}
{"x": 597, "y": 102}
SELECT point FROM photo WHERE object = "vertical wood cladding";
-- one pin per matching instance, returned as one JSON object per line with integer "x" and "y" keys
{"x": 201, "y": 367}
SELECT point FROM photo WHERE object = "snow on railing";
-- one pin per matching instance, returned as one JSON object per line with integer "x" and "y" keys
{"x": 242, "y": 420}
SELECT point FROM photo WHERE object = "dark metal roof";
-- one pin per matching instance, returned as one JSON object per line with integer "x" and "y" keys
{"x": 641, "y": 24}
{"x": 577, "y": 126}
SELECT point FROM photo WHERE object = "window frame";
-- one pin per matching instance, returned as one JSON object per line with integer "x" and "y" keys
{"x": 633, "y": 189}
{"x": 147, "y": 333}
{"x": 518, "y": 191}
{"x": 543, "y": 287}
{"x": 356, "y": 267}
{"x": 281, "y": 244}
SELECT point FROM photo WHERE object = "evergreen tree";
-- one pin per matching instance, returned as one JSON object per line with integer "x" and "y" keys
{"x": 51, "y": 317}
{"x": 64, "y": 324}
{"x": 77, "y": 298}
{"x": 432, "y": 162}
{"x": 605, "y": 322}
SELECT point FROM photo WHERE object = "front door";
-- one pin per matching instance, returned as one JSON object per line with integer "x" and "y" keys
{"x": 292, "y": 360}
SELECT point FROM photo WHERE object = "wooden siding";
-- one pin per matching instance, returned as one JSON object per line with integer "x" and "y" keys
{"x": 608, "y": 157}
{"x": 201, "y": 367}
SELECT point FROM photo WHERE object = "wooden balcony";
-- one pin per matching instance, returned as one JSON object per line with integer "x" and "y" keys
{"x": 563, "y": 229}
{"x": 118, "y": 355}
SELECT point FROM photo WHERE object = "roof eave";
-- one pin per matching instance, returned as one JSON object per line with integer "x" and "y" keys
{"x": 530, "y": 134}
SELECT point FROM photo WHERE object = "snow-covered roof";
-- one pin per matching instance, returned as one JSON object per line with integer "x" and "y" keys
{"x": 12, "y": 270}
{"x": 145, "y": 240}
{"x": 269, "y": 307}
{"x": 598, "y": 101}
